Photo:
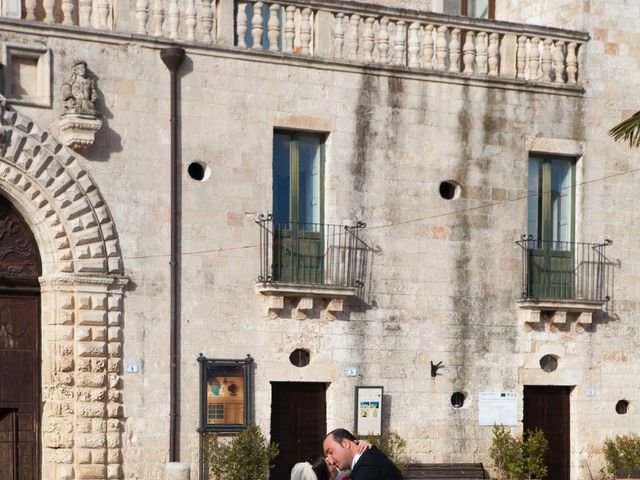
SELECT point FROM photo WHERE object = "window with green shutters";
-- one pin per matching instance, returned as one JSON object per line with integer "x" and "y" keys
{"x": 298, "y": 170}
{"x": 551, "y": 205}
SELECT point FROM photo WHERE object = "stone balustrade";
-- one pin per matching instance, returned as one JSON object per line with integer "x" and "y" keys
{"x": 342, "y": 32}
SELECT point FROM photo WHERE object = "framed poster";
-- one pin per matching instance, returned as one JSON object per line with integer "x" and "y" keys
{"x": 368, "y": 411}
{"x": 225, "y": 387}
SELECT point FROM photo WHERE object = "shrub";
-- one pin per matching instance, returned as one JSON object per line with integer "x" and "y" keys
{"x": 622, "y": 454}
{"x": 393, "y": 446}
{"x": 518, "y": 458}
{"x": 246, "y": 457}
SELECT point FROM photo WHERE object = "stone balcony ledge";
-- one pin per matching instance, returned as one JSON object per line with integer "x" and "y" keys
{"x": 557, "y": 309}
{"x": 328, "y": 298}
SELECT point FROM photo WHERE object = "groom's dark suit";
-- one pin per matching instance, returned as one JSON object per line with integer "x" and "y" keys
{"x": 374, "y": 465}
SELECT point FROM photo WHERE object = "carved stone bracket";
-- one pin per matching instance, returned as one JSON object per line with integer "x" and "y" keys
{"x": 78, "y": 130}
{"x": 560, "y": 312}
{"x": 305, "y": 298}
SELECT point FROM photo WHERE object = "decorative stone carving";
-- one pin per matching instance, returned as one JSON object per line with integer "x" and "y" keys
{"x": 80, "y": 121}
{"x": 5, "y": 139}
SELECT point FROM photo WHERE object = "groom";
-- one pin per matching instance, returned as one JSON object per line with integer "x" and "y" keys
{"x": 340, "y": 449}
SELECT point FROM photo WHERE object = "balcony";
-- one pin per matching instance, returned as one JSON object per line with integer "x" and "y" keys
{"x": 560, "y": 277}
{"x": 344, "y": 34}
{"x": 310, "y": 261}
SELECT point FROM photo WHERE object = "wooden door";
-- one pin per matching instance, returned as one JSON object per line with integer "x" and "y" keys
{"x": 19, "y": 348}
{"x": 547, "y": 408}
{"x": 298, "y": 423}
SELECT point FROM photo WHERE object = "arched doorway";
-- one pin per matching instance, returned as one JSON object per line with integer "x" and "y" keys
{"x": 20, "y": 393}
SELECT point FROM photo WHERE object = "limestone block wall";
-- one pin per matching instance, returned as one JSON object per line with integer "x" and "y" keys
{"x": 444, "y": 278}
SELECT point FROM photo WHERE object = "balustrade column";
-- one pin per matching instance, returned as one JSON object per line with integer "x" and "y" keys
{"x": 142, "y": 15}
{"x": 558, "y": 61}
{"x": 273, "y": 27}
{"x": 352, "y": 37}
{"x": 206, "y": 21}
{"x": 338, "y": 35}
{"x": 67, "y": 12}
{"x": 190, "y": 20}
{"x": 546, "y": 60}
{"x": 493, "y": 50}
{"x": 534, "y": 59}
{"x": 305, "y": 31}
{"x": 84, "y": 13}
{"x": 158, "y": 17}
{"x": 383, "y": 40}
{"x": 521, "y": 57}
{"x": 241, "y": 24}
{"x": 454, "y": 51}
{"x": 48, "y": 11}
{"x": 441, "y": 47}
{"x": 399, "y": 44}
{"x": 427, "y": 47}
{"x": 481, "y": 53}
{"x": 173, "y": 19}
{"x": 469, "y": 52}
{"x": 30, "y": 8}
{"x": 367, "y": 41}
{"x": 572, "y": 63}
{"x": 414, "y": 45}
{"x": 289, "y": 28}
{"x": 257, "y": 26}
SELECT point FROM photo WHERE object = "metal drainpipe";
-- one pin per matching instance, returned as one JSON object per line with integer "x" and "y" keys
{"x": 172, "y": 57}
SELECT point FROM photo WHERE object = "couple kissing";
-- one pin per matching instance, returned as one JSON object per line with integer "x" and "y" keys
{"x": 342, "y": 453}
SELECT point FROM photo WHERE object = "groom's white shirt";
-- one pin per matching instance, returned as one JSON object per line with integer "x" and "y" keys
{"x": 355, "y": 460}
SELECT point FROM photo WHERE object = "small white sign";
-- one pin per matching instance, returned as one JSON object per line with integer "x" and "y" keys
{"x": 591, "y": 392}
{"x": 133, "y": 368}
{"x": 498, "y": 408}
{"x": 352, "y": 372}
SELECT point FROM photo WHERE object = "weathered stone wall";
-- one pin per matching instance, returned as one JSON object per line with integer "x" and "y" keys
{"x": 444, "y": 279}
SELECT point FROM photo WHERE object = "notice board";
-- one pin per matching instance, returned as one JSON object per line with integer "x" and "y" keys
{"x": 368, "y": 411}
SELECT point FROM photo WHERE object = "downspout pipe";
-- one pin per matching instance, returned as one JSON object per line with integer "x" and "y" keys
{"x": 172, "y": 57}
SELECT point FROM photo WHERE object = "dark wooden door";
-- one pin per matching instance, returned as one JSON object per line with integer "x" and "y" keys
{"x": 547, "y": 408}
{"x": 19, "y": 348}
{"x": 298, "y": 423}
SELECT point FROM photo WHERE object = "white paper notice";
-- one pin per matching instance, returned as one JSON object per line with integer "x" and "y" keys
{"x": 498, "y": 408}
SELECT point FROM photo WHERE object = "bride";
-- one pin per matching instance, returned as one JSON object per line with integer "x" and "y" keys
{"x": 317, "y": 468}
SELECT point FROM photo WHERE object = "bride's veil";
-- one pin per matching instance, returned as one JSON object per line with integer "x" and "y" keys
{"x": 303, "y": 471}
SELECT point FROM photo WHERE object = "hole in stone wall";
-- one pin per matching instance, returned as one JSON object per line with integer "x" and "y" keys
{"x": 449, "y": 189}
{"x": 300, "y": 357}
{"x": 549, "y": 363}
{"x": 198, "y": 171}
{"x": 622, "y": 407}
{"x": 457, "y": 399}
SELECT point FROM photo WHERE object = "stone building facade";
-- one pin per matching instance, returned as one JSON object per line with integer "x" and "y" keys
{"x": 475, "y": 150}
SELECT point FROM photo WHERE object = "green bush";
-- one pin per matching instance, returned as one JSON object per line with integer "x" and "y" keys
{"x": 246, "y": 457}
{"x": 393, "y": 446}
{"x": 622, "y": 454}
{"x": 518, "y": 458}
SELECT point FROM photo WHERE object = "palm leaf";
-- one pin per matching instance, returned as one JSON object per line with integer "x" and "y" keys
{"x": 628, "y": 131}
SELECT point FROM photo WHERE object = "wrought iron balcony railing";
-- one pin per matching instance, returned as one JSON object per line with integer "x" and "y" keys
{"x": 555, "y": 270}
{"x": 312, "y": 254}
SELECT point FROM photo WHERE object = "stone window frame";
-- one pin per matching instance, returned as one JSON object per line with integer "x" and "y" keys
{"x": 43, "y": 56}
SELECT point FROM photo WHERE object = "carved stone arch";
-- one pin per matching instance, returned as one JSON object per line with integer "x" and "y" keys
{"x": 82, "y": 291}
{"x": 55, "y": 193}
